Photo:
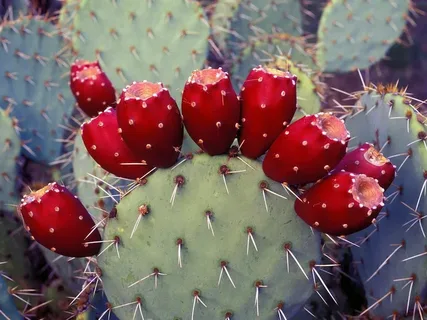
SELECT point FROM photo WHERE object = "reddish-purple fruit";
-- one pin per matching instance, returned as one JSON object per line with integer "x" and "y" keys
{"x": 307, "y": 150}
{"x": 341, "y": 204}
{"x": 269, "y": 101}
{"x": 59, "y": 221}
{"x": 151, "y": 123}
{"x": 211, "y": 110}
{"x": 368, "y": 160}
{"x": 101, "y": 136}
{"x": 91, "y": 87}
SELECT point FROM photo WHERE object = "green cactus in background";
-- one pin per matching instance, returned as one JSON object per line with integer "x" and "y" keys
{"x": 355, "y": 34}
{"x": 7, "y": 306}
{"x": 34, "y": 61}
{"x": 10, "y": 145}
{"x": 11, "y": 9}
{"x": 208, "y": 220}
{"x": 392, "y": 257}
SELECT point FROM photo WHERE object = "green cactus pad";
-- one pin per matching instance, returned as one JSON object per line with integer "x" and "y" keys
{"x": 158, "y": 40}
{"x": 155, "y": 244}
{"x": 309, "y": 88}
{"x": 7, "y": 305}
{"x": 67, "y": 12}
{"x": 33, "y": 62}
{"x": 11, "y": 9}
{"x": 221, "y": 21}
{"x": 354, "y": 34}
{"x": 10, "y": 146}
{"x": 257, "y": 18}
{"x": 387, "y": 119}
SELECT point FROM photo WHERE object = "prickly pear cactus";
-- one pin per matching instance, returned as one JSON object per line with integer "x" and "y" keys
{"x": 392, "y": 260}
{"x": 11, "y": 9}
{"x": 355, "y": 34}
{"x": 309, "y": 88}
{"x": 34, "y": 60}
{"x": 212, "y": 243}
{"x": 221, "y": 18}
{"x": 10, "y": 146}
{"x": 7, "y": 306}
{"x": 158, "y": 40}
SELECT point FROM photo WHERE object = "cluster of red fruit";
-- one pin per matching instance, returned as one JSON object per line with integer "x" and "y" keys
{"x": 144, "y": 130}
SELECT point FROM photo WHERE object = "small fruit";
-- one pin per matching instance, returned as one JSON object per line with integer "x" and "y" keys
{"x": 91, "y": 87}
{"x": 151, "y": 123}
{"x": 368, "y": 160}
{"x": 211, "y": 110}
{"x": 269, "y": 102}
{"x": 104, "y": 143}
{"x": 341, "y": 204}
{"x": 59, "y": 221}
{"x": 307, "y": 149}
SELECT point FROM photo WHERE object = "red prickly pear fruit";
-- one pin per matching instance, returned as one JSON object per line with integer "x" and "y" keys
{"x": 211, "y": 110}
{"x": 91, "y": 87}
{"x": 59, "y": 221}
{"x": 341, "y": 204}
{"x": 80, "y": 64}
{"x": 269, "y": 102}
{"x": 151, "y": 123}
{"x": 307, "y": 149}
{"x": 101, "y": 136}
{"x": 368, "y": 160}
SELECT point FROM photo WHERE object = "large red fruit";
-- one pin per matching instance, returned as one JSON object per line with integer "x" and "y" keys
{"x": 91, "y": 87}
{"x": 105, "y": 145}
{"x": 341, "y": 204}
{"x": 59, "y": 221}
{"x": 368, "y": 160}
{"x": 211, "y": 110}
{"x": 269, "y": 102}
{"x": 151, "y": 123}
{"x": 307, "y": 149}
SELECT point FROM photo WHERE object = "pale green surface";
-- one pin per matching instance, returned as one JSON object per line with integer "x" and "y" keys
{"x": 154, "y": 245}
{"x": 44, "y": 111}
{"x": 391, "y": 230}
{"x": 355, "y": 34}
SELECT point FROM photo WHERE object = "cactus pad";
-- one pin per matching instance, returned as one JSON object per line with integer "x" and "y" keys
{"x": 34, "y": 59}
{"x": 210, "y": 227}
{"x": 147, "y": 40}
{"x": 387, "y": 119}
{"x": 7, "y": 305}
{"x": 355, "y": 34}
{"x": 10, "y": 146}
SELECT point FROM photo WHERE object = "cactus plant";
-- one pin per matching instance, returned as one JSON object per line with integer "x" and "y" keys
{"x": 7, "y": 306}
{"x": 354, "y": 34}
{"x": 391, "y": 259}
{"x": 10, "y": 145}
{"x": 34, "y": 58}
{"x": 11, "y": 9}
{"x": 216, "y": 222}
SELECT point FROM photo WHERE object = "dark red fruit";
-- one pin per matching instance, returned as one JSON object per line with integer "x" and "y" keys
{"x": 307, "y": 149}
{"x": 211, "y": 110}
{"x": 368, "y": 160}
{"x": 341, "y": 204}
{"x": 59, "y": 221}
{"x": 91, "y": 87}
{"x": 151, "y": 123}
{"x": 105, "y": 145}
{"x": 269, "y": 102}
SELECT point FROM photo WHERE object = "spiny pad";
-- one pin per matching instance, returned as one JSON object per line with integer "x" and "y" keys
{"x": 355, "y": 34}
{"x": 10, "y": 147}
{"x": 215, "y": 230}
{"x": 158, "y": 40}
{"x": 34, "y": 60}
{"x": 387, "y": 118}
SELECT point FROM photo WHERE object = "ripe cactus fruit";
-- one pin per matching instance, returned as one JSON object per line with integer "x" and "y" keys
{"x": 341, "y": 204}
{"x": 224, "y": 249}
{"x": 101, "y": 136}
{"x": 150, "y": 123}
{"x": 80, "y": 64}
{"x": 91, "y": 87}
{"x": 211, "y": 110}
{"x": 269, "y": 102}
{"x": 368, "y": 160}
{"x": 59, "y": 221}
{"x": 307, "y": 149}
